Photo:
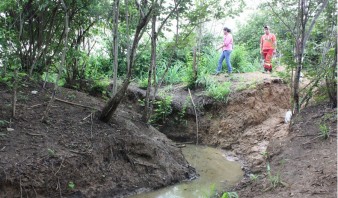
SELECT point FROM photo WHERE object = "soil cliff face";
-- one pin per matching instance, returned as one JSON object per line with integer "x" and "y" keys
{"x": 244, "y": 124}
{"x": 74, "y": 154}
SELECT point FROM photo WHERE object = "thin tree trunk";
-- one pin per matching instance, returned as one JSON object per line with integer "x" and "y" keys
{"x": 151, "y": 70}
{"x": 63, "y": 58}
{"x": 115, "y": 46}
{"x": 16, "y": 71}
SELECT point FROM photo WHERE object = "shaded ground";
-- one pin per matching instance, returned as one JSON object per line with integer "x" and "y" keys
{"x": 75, "y": 155}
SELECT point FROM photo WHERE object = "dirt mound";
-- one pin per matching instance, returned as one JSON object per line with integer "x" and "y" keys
{"x": 305, "y": 163}
{"x": 75, "y": 155}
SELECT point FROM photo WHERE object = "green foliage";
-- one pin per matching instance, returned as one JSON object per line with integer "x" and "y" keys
{"x": 284, "y": 75}
{"x": 99, "y": 87}
{"x": 3, "y": 123}
{"x": 142, "y": 81}
{"x": 51, "y": 77}
{"x": 230, "y": 195}
{"x": 183, "y": 111}
{"x": 9, "y": 78}
{"x": 188, "y": 77}
{"x": 211, "y": 193}
{"x": 219, "y": 91}
{"x": 254, "y": 177}
{"x": 324, "y": 131}
{"x": 162, "y": 108}
{"x": 175, "y": 73}
{"x": 71, "y": 185}
{"x": 51, "y": 152}
{"x": 240, "y": 60}
{"x": 274, "y": 179}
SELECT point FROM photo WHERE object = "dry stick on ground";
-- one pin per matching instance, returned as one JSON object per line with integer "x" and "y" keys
{"x": 76, "y": 104}
{"x": 59, "y": 167}
{"x": 193, "y": 104}
{"x": 20, "y": 187}
{"x": 59, "y": 187}
{"x": 91, "y": 126}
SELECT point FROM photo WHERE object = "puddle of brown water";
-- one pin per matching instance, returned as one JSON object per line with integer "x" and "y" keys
{"x": 214, "y": 170}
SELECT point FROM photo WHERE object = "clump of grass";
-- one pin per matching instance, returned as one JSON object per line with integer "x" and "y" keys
{"x": 219, "y": 92}
{"x": 3, "y": 123}
{"x": 254, "y": 177}
{"x": 230, "y": 195}
{"x": 324, "y": 131}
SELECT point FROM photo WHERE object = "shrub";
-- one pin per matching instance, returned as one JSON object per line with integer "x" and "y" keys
{"x": 219, "y": 91}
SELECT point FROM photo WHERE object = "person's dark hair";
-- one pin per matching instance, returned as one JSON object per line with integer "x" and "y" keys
{"x": 227, "y": 29}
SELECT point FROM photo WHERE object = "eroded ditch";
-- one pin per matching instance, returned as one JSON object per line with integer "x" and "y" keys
{"x": 244, "y": 125}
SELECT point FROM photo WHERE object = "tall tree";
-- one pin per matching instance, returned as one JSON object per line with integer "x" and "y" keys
{"x": 116, "y": 10}
{"x": 307, "y": 13}
{"x": 145, "y": 12}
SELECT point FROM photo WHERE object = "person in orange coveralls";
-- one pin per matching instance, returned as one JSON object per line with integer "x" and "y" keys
{"x": 268, "y": 47}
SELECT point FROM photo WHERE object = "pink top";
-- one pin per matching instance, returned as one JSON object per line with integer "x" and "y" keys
{"x": 227, "y": 43}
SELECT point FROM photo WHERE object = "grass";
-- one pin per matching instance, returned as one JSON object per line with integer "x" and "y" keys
{"x": 219, "y": 91}
{"x": 230, "y": 195}
{"x": 3, "y": 123}
{"x": 324, "y": 131}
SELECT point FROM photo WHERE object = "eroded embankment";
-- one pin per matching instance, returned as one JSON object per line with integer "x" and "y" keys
{"x": 244, "y": 124}
{"x": 73, "y": 154}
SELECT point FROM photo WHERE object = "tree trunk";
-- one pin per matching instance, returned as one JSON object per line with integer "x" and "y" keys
{"x": 111, "y": 106}
{"x": 115, "y": 45}
{"x": 151, "y": 70}
{"x": 331, "y": 80}
{"x": 63, "y": 57}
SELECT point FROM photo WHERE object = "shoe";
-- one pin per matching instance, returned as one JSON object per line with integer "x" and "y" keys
{"x": 228, "y": 75}
{"x": 216, "y": 73}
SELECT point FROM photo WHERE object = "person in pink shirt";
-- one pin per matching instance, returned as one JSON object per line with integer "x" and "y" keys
{"x": 226, "y": 51}
{"x": 268, "y": 47}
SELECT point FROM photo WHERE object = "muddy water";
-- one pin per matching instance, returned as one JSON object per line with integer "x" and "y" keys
{"x": 214, "y": 170}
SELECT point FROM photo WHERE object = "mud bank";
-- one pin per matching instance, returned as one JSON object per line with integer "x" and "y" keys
{"x": 244, "y": 124}
{"x": 75, "y": 155}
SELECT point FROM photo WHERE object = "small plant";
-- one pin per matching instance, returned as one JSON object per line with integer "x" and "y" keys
{"x": 254, "y": 177}
{"x": 3, "y": 123}
{"x": 275, "y": 180}
{"x": 212, "y": 192}
{"x": 324, "y": 131}
{"x": 143, "y": 82}
{"x": 265, "y": 154}
{"x": 51, "y": 152}
{"x": 219, "y": 91}
{"x": 162, "y": 109}
{"x": 22, "y": 97}
{"x": 71, "y": 185}
{"x": 285, "y": 76}
{"x": 230, "y": 195}
{"x": 183, "y": 111}
{"x": 71, "y": 97}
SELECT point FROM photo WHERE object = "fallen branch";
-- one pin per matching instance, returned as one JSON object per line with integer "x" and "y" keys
{"x": 37, "y": 105}
{"x": 35, "y": 134}
{"x": 76, "y": 104}
{"x": 59, "y": 167}
{"x": 193, "y": 104}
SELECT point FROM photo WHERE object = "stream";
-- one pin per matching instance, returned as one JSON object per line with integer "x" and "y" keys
{"x": 215, "y": 172}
